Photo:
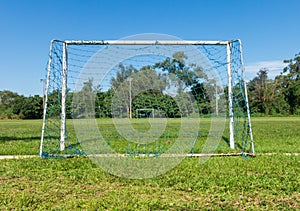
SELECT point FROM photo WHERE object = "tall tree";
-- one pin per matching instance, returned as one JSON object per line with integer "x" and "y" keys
{"x": 84, "y": 100}
{"x": 262, "y": 92}
{"x": 184, "y": 75}
{"x": 18, "y": 106}
{"x": 6, "y": 99}
{"x": 129, "y": 82}
{"x": 266, "y": 95}
{"x": 33, "y": 107}
{"x": 188, "y": 78}
{"x": 103, "y": 103}
{"x": 290, "y": 83}
{"x": 122, "y": 74}
{"x": 11, "y": 105}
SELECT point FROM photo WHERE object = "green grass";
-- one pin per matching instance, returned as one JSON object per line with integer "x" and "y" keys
{"x": 277, "y": 134}
{"x": 222, "y": 183}
{"x": 271, "y": 135}
{"x": 20, "y": 137}
{"x": 270, "y": 183}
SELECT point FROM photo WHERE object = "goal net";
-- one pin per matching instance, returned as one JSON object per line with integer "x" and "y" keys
{"x": 145, "y": 113}
{"x": 192, "y": 93}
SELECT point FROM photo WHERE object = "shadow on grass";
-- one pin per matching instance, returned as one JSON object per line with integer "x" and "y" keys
{"x": 237, "y": 145}
{"x": 14, "y": 138}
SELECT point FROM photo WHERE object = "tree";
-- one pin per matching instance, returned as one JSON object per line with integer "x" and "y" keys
{"x": 33, "y": 107}
{"x": 289, "y": 80}
{"x": 262, "y": 92}
{"x": 130, "y": 82}
{"x": 148, "y": 86}
{"x": 198, "y": 90}
{"x": 103, "y": 103}
{"x": 6, "y": 99}
{"x": 84, "y": 100}
{"x": 266, "y": 95}
{"x": 122, "y": 74}
{"x": 11, "y": 105}
{"x": 163, "y": 104}
{"x": 18, "y": 106}
{"x": 185, "y": 75}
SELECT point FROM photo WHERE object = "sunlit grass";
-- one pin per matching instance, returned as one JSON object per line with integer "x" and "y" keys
{"x": 271, "y": 134}
{"x": 221, "y": 183}
{"x": 270, "y": 183}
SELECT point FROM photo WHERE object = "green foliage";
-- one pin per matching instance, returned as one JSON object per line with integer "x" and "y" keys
{"x": 33, "y": 107}
{"x": 152, "y": 99}
{"x": 278, "y": 96}
{"x": 14, "y": 106}
{"x": 185, "y": 75}
{"x": 290, "y": 82}
{"x": 7, "y": 99}
{"x": 123, "y": 73}
{"x": 199, "y": 93}
{"x": 147, "y": 87}
{"x": 103, "y": 104}
{"x": 262, "y": 92}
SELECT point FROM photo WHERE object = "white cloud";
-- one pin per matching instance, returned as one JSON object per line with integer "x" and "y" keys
{"x": 274, "y": 67}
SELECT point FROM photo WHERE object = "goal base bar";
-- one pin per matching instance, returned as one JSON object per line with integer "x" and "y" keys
{"x": 175, "y": 155}
{"x": 119, "y": 155}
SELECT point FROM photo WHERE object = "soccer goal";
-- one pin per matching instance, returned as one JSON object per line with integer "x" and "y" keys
{"x": 98, "y": 91}
{"x": 145, "y": 113}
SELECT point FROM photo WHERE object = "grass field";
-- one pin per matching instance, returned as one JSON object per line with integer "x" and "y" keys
{"x": 266, "y": 182}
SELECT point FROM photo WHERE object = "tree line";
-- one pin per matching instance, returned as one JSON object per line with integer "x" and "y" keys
{"x": 15, "y": 106}
{"x": 278, "y": 96}
{"x": 171, "y": 88}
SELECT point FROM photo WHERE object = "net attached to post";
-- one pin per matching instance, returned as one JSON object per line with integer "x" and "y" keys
{"x": 141, "y": 96}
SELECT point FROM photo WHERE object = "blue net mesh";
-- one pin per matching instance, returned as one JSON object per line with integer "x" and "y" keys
{"x": 153, "y": 92}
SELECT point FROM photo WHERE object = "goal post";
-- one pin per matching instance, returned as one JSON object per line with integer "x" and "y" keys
{"x": 68, "y": 58}
{"x": 230, "y": 98}
{"x": 147, "y": 113}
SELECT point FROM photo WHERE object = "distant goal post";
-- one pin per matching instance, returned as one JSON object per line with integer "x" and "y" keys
{"x": 145, "y": 113}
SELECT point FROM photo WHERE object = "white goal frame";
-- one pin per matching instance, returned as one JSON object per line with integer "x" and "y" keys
{"x": 146, "y": 109}
{"x": 67, "y": 43}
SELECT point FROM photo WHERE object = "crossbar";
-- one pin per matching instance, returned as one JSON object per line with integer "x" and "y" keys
{"x": 142, "y": 42}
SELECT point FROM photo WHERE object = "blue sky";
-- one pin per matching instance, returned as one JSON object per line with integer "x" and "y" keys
{"x": 269, "y": 30}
